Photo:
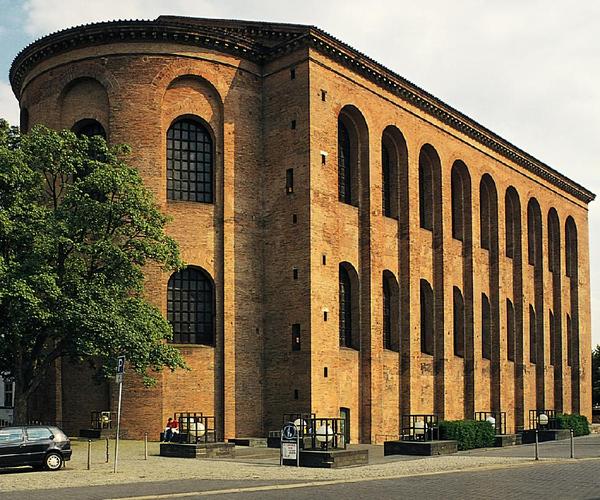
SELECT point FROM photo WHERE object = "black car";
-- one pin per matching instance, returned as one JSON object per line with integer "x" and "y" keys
{"x": 37, "y": 445}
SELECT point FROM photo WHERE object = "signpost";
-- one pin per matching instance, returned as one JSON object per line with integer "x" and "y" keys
{"x": 290, "y": 445}
{"x": 119, "y": 380}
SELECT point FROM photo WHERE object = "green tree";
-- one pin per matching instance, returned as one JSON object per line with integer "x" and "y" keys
{"x": 77, "y": 227}
{"x": 596, "y": 375}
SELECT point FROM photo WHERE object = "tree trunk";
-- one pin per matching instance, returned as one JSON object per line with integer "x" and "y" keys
{"x": 21, "y": 409}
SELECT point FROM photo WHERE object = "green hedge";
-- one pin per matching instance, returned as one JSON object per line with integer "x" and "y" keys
{"x": 469, "y": 433}
{"x": 579, "y": 423}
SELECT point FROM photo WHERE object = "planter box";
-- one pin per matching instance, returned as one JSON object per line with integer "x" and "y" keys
{"x": 200, "y": 450}
{"x": 333, "y": 459}
{"x": 528, "y": 436}
{"x": 422, "y": 448}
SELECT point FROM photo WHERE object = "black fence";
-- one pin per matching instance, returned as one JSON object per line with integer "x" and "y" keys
{"x": 323, "y": 433}
{"x": 194, "y": 427}
{"x": 543, "y": 419}
{"x": 420, "y": 428}
{"x": 103, "y": 419}
{"x": 496, "y": 418}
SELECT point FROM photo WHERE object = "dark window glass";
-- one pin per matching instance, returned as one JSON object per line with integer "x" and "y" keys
{"x": 486, "y": 328}
{"x": 190, "y": 307}
{"x": 387, "y": 316}
{"x": 510, "y": 215}
{"x": 38, "y": 433}
{"x": 426, "y": 317}
{"x": 510, "y": 330}
{"x": 534, "y": 229}
{"x": 345, "y": 309}
{"x": 89, "y": 128}
{"x": 569, "y": 341}
{"x": 458, "y": 197}
{"x": 189, "y": 162}
{"x": 571, "y": 248}
{"x": 296, "y": 337}
{"x": 532, "y": 335}
{"x": 459, "y": 323}
{"x": 552, "y": 338}
{"x": 289, "y": 180}
{"x": 425, "y": 193}
{"x": 8, "y": 394}
{"x": 484, "y": 215}
{"x": 344, "y": 165}
{"x": 386, "y": 181}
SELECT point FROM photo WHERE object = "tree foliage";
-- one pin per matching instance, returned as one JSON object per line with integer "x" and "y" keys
{"x": 77, "y": 227}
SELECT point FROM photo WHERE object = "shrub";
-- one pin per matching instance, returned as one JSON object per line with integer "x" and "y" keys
{"x": 579, "y": 423}
{"x": 469, "y": 433}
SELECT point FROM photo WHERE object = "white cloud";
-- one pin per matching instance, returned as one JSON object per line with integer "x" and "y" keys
{"x": 9, "y": 107}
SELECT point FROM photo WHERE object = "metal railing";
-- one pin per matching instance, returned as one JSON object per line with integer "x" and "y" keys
{"x": 420, "y": 427}
{"x": 535, "y": 423}
{"x": 195, "y": 427}
{"x": 499, "y": 420}
{"x": 323, "y": 434}
{"x": 103, "y": 419}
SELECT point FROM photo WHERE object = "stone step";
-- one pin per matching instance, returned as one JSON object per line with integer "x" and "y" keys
{"x": 252, "y": 442}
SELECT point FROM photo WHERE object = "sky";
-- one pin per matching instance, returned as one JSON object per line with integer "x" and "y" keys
{"x": 529, "y": 70}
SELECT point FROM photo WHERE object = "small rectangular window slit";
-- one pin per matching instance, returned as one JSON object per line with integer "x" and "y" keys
{"x": 295, "y": 393}
{"x": 292, "y": 73}
{"x": 295, "y": 273}
{"x": 289, "y": 180}
{"x": 325, "y": 373}
{"x": 293, "y": 124}
{"x": 323, "y": 157}
{"x": 323, "y": 95}
{"x": 294, "y": 218}
{"x": 324, "y": 315}
{"x": 324, "y": 259}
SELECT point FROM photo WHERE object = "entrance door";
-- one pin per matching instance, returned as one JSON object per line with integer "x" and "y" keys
{"x": 345, "y": 414}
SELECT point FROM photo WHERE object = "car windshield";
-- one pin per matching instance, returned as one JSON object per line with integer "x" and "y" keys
{"x": 10, "y": 435}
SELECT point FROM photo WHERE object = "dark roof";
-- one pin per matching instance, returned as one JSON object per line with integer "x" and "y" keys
{"x": 263, "y": 41}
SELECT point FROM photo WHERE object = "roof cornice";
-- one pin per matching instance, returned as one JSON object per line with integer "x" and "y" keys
{"x": 260, "y": 42}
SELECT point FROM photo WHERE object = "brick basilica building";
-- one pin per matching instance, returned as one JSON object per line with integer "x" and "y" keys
{"x": 353, "y": 244}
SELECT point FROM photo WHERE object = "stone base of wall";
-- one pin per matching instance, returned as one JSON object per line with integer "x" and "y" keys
{"x": 528, "y": 436}
{"x": 200, "y": 450}
{"x": 502, "y": 440}
{"x": 252, "y": 442}
{"x": 333, "y": 459}
{"x": 423, "y": 448}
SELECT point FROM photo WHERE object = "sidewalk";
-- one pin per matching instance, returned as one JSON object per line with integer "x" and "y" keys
{"x": 250, "y": 464}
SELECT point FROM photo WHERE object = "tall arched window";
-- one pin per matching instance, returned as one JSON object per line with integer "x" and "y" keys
{"x": 427, "y": 329}
{"x": 190, "y": 306}
{"x": 345, "y": 308}
{"x": 425, "y": 191}
{"x": 459, "y": 199}
{"x": 512, "y": 214}
{"x": 534, "y": 232}
{"x": 553, "y": 241}
{"x": 190, "y": 165}
{"x": 552, "y": 338}
{"x": 391, "y": 320}
{"x": 386, "y": 181}
{"x": 459, "y": 323}
{"x": 532, "y": 335}
{"x": 510, "y": 330}
{"x": 89, "y": 128}
{"x": 571, "y": 248}
{"x": 344, "y": 164}
{"x": 485, "y": 215}
{"x": 486, "y": 328}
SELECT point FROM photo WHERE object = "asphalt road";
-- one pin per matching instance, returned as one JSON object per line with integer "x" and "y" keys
{"x": 578, "y": 479}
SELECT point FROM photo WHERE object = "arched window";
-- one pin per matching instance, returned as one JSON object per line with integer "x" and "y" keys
{"x": 425, "y": 191}
{"x": 486, "y": 328}
{"x": 89, "y": 128}
{"x": 571, "y": 248}
{"x": 386, "y": 181}
{"x": 484, "y": 215}
{"x": 391, "y": 337}
{"x": 345, "y": 308}
{"x": 190, "y": 306}
{"x": 345, "y": 180}
{"x": 512, "y": 215}
{"x": 24, "y": 121}
{"x": 510, "y": 330}
{"x": 569, "y": 341}
{"x": 532, "y": 335}
{"x": 459, "y": 323}
{"x": 190, "y": 165}
{"x": 427, "y": 328}
{"x": 457, "y": 189}
{"x": 534, "y": 232}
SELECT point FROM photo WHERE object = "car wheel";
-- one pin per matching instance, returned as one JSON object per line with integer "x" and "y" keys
{"x": 53, "y": 461}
